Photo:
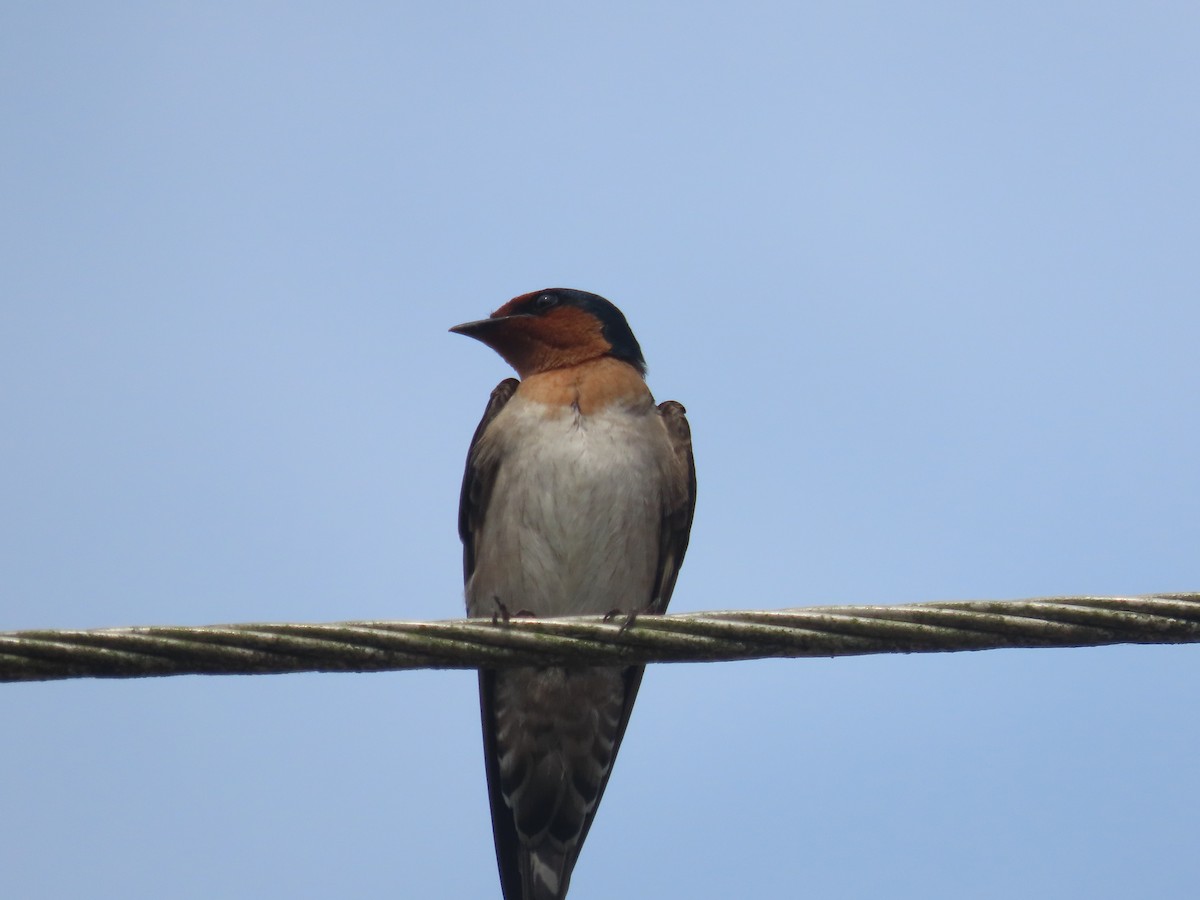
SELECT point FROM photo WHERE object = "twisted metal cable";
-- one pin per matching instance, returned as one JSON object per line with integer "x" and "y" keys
{"x": 259, "y": 649}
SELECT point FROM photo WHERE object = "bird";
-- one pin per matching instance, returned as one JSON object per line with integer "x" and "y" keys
{"x": 577, "y": 499}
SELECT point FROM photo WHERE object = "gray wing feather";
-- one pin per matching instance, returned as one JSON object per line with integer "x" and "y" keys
{"x": 479, "y": 478}
{"x": 679, "y": 503}
{"x": 472, "y": 507}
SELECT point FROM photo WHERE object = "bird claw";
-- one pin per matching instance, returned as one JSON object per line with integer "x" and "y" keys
{"x": 630, "y": 618}
{"x": 500, "y": 613}
{"x": 503, "y": 615}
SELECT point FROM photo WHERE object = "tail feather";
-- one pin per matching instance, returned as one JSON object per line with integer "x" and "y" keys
{"x": 544, "y": 874}
{"x": 551, "y": 736}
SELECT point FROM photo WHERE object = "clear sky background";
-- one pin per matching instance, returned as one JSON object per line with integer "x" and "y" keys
{"x": 925, "y": 275}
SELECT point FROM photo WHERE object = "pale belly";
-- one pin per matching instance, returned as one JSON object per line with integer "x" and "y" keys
{"x": 572, "y": 526}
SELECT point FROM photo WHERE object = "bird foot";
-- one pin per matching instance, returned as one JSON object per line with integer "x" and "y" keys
{"x": 503, "y": 615}
{"x": 500, "y": 613}
{"x": 630, "y": 618}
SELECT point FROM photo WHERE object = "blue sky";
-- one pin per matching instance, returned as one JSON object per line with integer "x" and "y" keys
{"x": 925, "y": 276}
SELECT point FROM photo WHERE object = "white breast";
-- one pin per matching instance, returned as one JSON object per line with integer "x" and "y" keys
{"x": 572, "y": 526}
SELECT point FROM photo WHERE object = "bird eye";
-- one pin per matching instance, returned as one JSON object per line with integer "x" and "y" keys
{"x": 545, "y": 302}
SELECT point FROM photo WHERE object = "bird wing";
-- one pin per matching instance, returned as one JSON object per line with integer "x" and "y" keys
{"x": 679, "y": 503}
{"x": 479, "y": 477}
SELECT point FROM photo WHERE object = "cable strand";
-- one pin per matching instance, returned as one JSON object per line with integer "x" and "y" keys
{"x": 42, "y": 655}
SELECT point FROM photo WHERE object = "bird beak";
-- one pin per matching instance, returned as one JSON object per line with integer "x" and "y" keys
{"x": 481, "y": 329}
{"x": 473, "y": 329}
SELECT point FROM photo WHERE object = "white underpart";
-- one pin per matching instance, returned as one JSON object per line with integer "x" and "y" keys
{"x": 572, "y": 526}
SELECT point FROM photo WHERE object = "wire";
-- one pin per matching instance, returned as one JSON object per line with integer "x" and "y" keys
{"x": 261, "y": 649}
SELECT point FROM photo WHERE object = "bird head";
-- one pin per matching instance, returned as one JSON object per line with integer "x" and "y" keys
{"x": 554, "y": 329}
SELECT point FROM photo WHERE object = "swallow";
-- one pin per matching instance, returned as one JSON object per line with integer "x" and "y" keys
{"x": 577, "y": 500}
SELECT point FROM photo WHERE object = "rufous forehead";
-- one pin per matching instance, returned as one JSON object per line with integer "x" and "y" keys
{"x": 511, "y": 306}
